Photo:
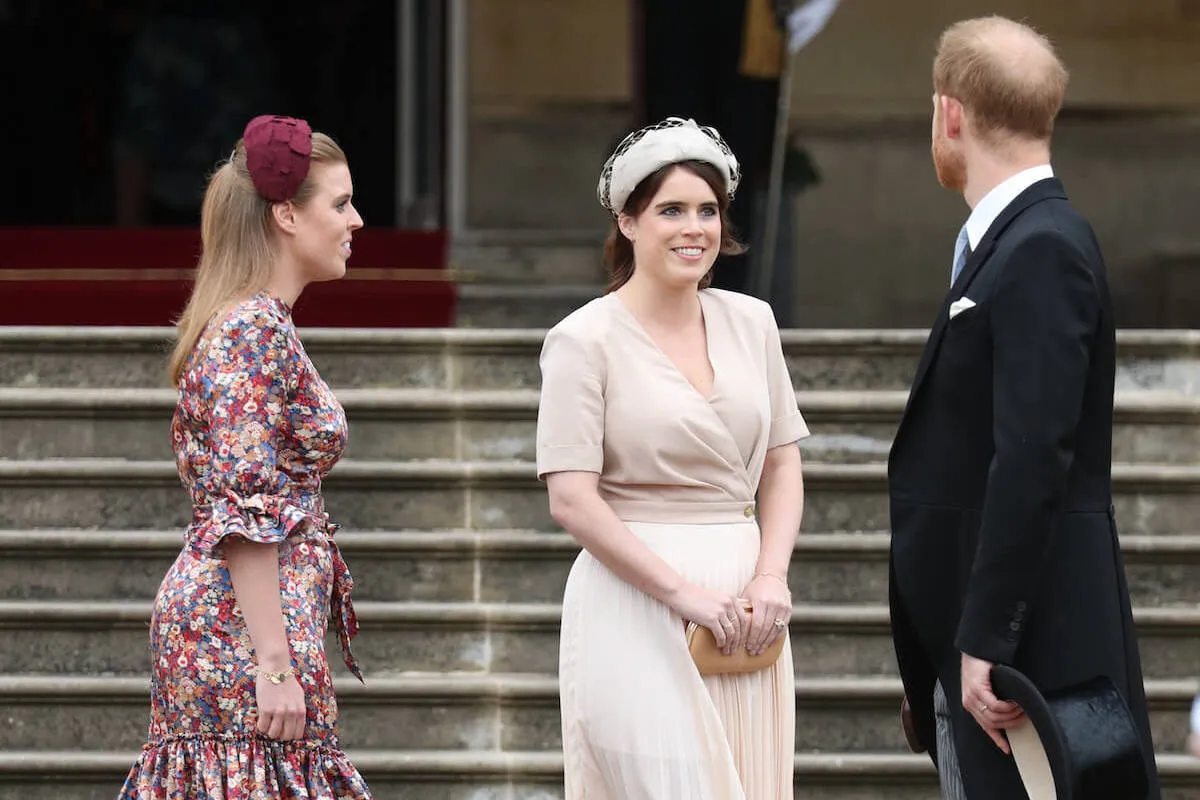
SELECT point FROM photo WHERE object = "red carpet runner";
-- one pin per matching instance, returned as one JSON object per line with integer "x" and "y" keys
{"x": 111, "y": 276}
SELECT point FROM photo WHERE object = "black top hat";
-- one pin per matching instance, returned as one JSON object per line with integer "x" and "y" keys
{"x": 1080, "y": 743}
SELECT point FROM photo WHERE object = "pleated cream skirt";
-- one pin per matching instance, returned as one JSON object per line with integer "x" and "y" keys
{"x": 639, "y": 723}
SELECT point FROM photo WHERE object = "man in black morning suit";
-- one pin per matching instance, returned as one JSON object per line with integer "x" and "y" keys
{"x": 1004, "y": 541}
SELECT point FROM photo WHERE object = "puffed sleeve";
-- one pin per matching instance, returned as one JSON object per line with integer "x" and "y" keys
{"x": 787, "y": 424}
{"x": 570, "y": 424}
{"x": 250, "y": 370}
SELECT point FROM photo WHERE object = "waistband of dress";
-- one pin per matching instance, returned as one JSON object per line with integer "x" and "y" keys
{"x": 669, "y": 512}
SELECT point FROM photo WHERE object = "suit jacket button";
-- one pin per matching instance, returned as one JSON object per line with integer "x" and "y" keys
{"x": 1014, "y": 626}
{"x": 1021, "y": 605}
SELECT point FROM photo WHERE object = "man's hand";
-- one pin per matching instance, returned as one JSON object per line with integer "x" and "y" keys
{"x": 992, "y": 713}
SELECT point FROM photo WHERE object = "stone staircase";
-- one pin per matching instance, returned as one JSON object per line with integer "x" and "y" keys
{"x": 515, "y": 278}
{"x": 459, "y": 568}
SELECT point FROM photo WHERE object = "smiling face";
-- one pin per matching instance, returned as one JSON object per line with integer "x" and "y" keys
{"x": 677, "y": 236}
{"x": 325, "y": 224}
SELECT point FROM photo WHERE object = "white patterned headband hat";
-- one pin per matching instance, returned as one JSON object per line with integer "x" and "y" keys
{"x": 645, "y": 151}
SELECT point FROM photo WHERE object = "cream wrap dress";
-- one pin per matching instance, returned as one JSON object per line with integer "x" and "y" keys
{"x": 682, "y": 471}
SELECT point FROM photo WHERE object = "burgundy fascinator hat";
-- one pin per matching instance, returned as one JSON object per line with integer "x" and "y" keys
{"x": 278, "y": 150}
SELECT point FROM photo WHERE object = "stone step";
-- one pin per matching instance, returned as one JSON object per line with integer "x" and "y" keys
{"x": 849, "y": 426}
{"x": 491, "y": 775}
{"x": 493, "y": 712}
{"x": 111, "y": 637}
{"x": 530, "y": 261}
{"x": 521, "y": 305}
{"x": 434, "y": 495}
{"x": 501, "y": 566}
{"x": 464, "y": 358}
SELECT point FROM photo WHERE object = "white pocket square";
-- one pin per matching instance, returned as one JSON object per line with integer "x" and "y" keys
{"x": 961, "y": 305}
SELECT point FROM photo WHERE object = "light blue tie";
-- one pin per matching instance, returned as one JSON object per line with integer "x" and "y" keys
{"x": 960, "y": 254}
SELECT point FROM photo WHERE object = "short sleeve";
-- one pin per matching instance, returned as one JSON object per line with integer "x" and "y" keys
{"x": 787, "y": 424}
{"x": 570, "y": 423}
{"x": 249, "y": 369}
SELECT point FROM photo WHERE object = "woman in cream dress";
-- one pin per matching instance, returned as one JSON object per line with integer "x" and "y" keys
{"x": 667, "y": 433}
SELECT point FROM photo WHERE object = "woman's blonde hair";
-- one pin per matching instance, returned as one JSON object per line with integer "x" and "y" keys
{"x": 238, "y": 244}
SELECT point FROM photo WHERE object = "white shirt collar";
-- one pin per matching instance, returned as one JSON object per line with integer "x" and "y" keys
{"x": 995, "y": 201}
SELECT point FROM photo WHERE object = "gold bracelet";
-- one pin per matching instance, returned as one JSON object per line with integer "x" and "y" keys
{"x": 765, "y": 574}
{"x": 276, "y": 677}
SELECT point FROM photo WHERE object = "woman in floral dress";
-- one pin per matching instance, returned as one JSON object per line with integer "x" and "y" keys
{"x": 242, "y": 702}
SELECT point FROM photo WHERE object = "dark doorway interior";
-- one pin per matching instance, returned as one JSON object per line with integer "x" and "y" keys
{"x": 117, "y": 109}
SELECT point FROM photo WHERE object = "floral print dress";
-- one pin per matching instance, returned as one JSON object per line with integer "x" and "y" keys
{"x": 254, "y": 432}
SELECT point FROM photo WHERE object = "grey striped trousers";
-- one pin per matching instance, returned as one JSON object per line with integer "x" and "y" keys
{"x": 948, "y": 773}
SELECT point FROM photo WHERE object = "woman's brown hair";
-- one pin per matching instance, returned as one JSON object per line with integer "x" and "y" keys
{"x": 238, "y": 248}
{"x": 618, "y": 250}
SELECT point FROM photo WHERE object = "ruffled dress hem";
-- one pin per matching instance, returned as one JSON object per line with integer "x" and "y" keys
{"x": 242, "y": 768}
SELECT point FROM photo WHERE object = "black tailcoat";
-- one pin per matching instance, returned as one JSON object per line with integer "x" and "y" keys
{"x": 1004, "y": 538}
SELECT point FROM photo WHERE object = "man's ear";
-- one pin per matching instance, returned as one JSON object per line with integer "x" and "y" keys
{"x": 952, "y": 117}
{"x": 628, "y": 226}
{"x": 285, "y": 216}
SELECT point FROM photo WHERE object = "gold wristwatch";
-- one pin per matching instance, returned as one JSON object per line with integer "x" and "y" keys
{"x": 276, "y": 677}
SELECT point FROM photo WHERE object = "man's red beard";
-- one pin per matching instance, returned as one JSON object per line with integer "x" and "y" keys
{"x": 950, "y": 166}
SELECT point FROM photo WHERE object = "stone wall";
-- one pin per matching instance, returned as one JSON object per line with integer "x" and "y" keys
{"x": 876, "y": 237}
{"x": 872, "y": 60}
{"x": 550, "y": 92}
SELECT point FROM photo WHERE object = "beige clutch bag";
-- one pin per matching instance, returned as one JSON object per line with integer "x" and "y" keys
{"x": 711, "y": 661}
